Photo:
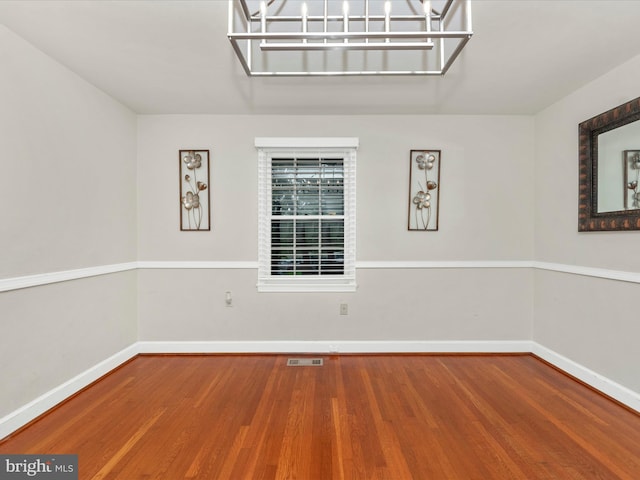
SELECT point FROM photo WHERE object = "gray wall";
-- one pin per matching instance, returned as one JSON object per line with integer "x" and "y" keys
{"x": 589, "y": 320}
{"x": 390, "y": 305}
{"x": 68, "y": 186}
{"x": 486, "y": 206}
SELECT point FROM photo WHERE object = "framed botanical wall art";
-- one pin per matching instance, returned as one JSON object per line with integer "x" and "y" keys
{"x": 631, "y": 159}
{"x": 424, "y": 189}
{"x": 195, "y": 211}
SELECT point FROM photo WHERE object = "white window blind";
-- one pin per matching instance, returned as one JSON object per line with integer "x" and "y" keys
{"x": 306, "y": 214}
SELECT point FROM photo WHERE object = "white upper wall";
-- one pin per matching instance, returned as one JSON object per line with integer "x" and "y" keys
{"x": 68, "y": 167}
{"x": 486, "y": 196}
{"x": 556, "y": 177}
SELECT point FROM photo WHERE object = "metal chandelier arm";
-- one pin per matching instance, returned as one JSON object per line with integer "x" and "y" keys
{"x": 294, "y": 41}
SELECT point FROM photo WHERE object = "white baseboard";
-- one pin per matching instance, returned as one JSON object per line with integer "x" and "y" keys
{"x": 33, "y": 409}
{"x": 20, "y": 417}
{"x": 599, "y": 382}
{"x": 337, "y": 346}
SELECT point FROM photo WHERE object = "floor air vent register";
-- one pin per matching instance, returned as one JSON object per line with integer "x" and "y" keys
{"x": 304, "y": 362}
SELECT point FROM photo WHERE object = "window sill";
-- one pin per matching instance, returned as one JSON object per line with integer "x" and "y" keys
{"x": 307, "y": 285}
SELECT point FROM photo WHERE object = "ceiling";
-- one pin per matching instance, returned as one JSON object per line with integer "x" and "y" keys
{"x": 174, "y": 57}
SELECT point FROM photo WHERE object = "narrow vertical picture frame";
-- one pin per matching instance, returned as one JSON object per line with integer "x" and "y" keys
{"x": 424, "y": 190}
{"x": 195, "y": 204}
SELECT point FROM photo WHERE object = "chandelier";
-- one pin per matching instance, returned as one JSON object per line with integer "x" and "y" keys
{"x": 352, "y": 37}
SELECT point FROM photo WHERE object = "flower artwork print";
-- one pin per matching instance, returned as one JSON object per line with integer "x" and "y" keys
{"x": 631, "y": 179}
{"x": 424, "y": 189}
{"x": 194, "y": 190}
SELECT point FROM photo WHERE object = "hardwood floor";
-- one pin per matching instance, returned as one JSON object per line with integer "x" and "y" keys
{"x": 431, "y": 417}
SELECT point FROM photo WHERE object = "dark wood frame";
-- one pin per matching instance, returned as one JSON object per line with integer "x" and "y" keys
{"x": 588, "y": 217}
{"x": 207, "y": 214}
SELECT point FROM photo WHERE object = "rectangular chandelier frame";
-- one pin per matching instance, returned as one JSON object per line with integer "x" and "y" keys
{"x": 256, "y": 34}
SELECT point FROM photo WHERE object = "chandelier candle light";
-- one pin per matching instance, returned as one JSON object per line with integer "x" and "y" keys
{"x": 354, "y": 37}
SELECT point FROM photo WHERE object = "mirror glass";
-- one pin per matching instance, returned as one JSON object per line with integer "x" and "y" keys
{"x": 619, "y": 168}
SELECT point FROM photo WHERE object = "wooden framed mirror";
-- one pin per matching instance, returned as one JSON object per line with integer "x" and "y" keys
{"x": 609, "y": 170}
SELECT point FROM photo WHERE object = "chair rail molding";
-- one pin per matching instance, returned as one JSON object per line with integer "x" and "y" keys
{"x": 39, "y": 279}
{"x": 620, "y": 275}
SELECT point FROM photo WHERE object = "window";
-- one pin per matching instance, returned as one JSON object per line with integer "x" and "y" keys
{"x": 306, "y": 214}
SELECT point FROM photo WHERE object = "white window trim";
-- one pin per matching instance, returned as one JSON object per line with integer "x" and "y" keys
{"x": 269, "y": 146}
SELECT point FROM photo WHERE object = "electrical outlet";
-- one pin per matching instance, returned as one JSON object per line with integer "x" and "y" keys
{"x": 344, "y": 309}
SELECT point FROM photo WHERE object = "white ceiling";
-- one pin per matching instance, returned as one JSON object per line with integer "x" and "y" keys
{"x": 174, "y": 57}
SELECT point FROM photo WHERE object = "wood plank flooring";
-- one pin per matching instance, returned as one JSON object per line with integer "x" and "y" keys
{"x": 425, "y": 417}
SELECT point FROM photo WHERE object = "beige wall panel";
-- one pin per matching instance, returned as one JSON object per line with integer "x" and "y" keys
{"x": 591, "y": 321}
{"x": 556, "y": 177}
{"x": 68, "y": 168}
{"x": 486, "y": 198}
{"x": 588, "y": 320}
{"x": 390, "y": 304}
{"x": 68, "y": 187}
{"x": 52, "y": 333}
